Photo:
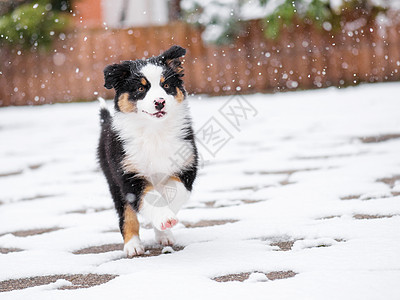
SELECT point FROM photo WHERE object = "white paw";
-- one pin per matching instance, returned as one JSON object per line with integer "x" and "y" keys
{"x": 158, "y": 212}
{"x": 134, "y": 247}
{"x": 164, "y": 219}
{"x": 165, "y": 238}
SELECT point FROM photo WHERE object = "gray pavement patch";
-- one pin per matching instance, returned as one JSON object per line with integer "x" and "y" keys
{"x": 149, "y": 251}
{"x": 366, "y": 216}
{"x": 253, "y": 188}
{"x": 78, "y": 281}
{"x": 284, "y": 245}
{"x": 9, "y": 250}
{"x": 158, "y": 250}
{"x": 244, "y": 276}
{"x": 36, "y": 197}
{"x": 13, "y": 173}
{"x": 282, "y": 172}
{"x": 207, "y": 223}
{"x": 215, "y": 204}
{"x": 329, "y": 217}
{"x": 289, "y": 173}
{"x": 25, "y": 233}
{"x": 30, "y": 232}
{"x": 390, "y": 181}
{"x": 210, "y": 203}
{"x": 379, "y": 138}
{"x": 35, "y": 166}
{"x": 328, "y": 156}
{"x": 286, "y": 182}
{"x": 251, "y": 201}
{"x": 350, "y": 197}
{"x": 325, "y": 245}
{"x": 232, "y": 277}
{"x": 280, "y": 275}
{"x": 287, "y": 244}
{"x": 100, "y": 249}
{"x": 89, "y": 210}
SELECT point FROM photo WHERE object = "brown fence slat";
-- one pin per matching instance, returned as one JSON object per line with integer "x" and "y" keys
{"x": 302, "y": 58}
{"x": 393, "y": 52}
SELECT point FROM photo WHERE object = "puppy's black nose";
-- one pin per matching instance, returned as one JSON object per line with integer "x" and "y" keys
{"x": 159, "y": 103}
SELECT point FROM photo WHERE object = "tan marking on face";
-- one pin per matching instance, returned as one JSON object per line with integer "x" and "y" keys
{"x": 131, "y": 224}
{"x": 162, "y": 79}
{"x": 175, "y": 65}
{"x": 125, "y": 105}
{"x": 169, "y": 63}
{"x": 143, "y": 81}
{"x": 179, "y": 95}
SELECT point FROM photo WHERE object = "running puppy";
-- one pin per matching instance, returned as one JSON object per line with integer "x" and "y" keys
{"x": 147, "y": 149}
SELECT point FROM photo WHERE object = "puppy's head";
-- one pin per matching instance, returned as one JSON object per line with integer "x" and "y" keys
{"x": 152, "y": 87}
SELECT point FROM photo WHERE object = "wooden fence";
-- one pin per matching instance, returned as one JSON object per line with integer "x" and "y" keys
{"x": 302, "y": 58}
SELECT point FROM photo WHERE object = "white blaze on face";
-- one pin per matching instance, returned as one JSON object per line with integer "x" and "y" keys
{"x": 151, "y": 143}
{"x": 153, "y": 75}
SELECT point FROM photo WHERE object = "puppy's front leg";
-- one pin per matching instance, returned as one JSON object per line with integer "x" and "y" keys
{"x": 132, "y": 244}
{"x": 133, "y": 189}
{"x": 154, "y": 207}
{"x": 161, "y": 204}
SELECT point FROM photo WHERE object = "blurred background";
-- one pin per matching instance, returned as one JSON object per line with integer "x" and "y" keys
{"x": 55, "y": 50}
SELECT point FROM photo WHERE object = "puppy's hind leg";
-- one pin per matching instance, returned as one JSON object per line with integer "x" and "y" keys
{"x": 175, "y": 193}
{"x": 164, "y": 237}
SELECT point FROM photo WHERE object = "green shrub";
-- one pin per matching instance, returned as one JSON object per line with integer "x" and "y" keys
{"x": 31, "y": 25}
{"x": 221, "y": 19}
{"x": 318, "y": 13}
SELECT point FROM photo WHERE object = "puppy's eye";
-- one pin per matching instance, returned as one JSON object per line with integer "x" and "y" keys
{"x": 141, "y": 89}
{"x": 166, "y": 86}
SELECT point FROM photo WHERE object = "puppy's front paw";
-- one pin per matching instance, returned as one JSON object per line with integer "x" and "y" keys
{"x": 165, "y": 238}
{"x": 164, "y": 219}
{"x": 169, "y": 223}
{"x": 133, "y": 247}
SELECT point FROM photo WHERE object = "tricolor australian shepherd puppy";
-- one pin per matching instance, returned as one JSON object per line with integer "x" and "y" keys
{"x": 147, "y": 149}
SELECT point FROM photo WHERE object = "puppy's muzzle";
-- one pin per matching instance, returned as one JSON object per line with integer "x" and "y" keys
{"x": 159, "y": 103}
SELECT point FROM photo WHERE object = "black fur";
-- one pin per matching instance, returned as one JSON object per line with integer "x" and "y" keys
{"x": 110, "y": 154}
{"x": 127, "y": 188}
{"x": 173, "y": 52}
{"x": 115, "y": 74}
{"x": 188, "y": 175}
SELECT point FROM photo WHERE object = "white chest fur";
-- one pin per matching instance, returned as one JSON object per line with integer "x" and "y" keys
{"x": 152, "y": 147}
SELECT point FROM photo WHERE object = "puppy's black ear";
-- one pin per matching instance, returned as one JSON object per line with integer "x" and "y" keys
{"x": 114, "y": 75}
{"x": 173, "y": 52}
{"x": 171, "y": 58}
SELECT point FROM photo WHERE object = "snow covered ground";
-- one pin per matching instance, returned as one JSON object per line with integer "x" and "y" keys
{"x": 301, "y": 201}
